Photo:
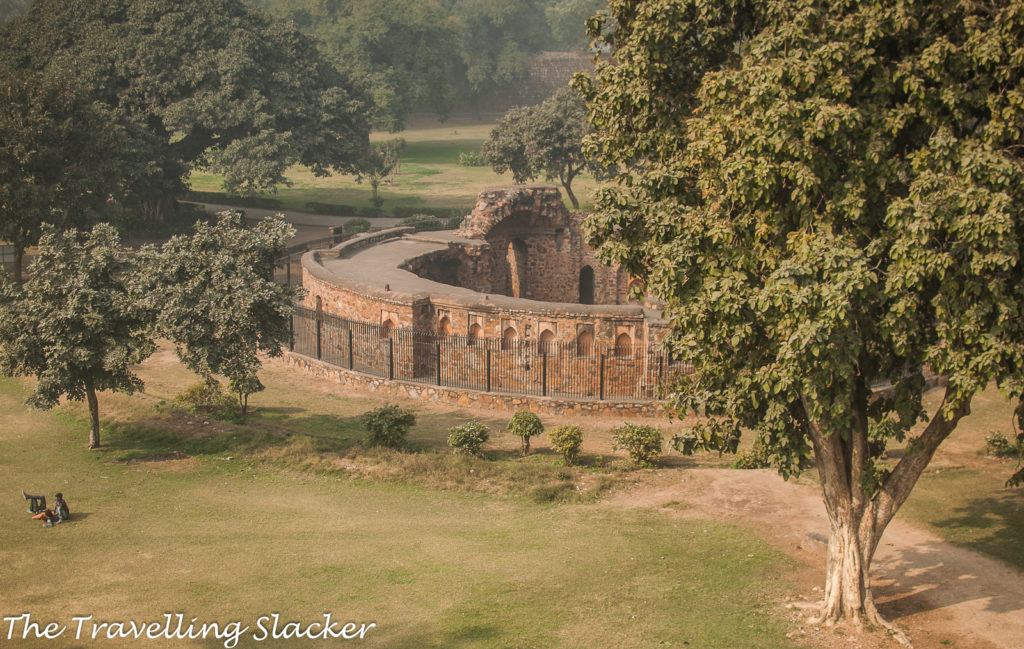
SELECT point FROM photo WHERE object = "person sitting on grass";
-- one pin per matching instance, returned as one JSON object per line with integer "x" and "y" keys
{"x": 50, "y": 517}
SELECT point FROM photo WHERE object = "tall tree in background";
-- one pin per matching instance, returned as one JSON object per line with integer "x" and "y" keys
{"x": 544, "y": 140}
{"x": 61, "y": 160}
{"x": 214, "y": 296}
{"x": 404, "y": 50}
{"x": 827, "y": 196}
{"x": 497, "y": 41}
{"x": 76, "y": 324}
{"x": 206, "y": 83}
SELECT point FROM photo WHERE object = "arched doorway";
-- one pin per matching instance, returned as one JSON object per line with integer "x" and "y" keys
{"x": 586, "y": 285}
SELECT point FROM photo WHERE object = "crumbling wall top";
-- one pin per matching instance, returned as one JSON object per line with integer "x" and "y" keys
{"x": 495, "y": 204}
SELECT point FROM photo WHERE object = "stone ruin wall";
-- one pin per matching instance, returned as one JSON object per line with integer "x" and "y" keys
{"x": 484, "y": 260}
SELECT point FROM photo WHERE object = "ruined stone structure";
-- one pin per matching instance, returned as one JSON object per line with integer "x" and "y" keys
{"x": 514, "y": 301}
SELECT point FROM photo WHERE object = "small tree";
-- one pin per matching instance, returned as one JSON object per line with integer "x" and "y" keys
{"x": 75, "y": 324}
{"x": 524, "y": 425}
{"x": 544, "y": 140}
{"x": 642, "y": 443}
{"x": 567, "y": 440}
{"x": 214, "y": 296}
{"x": 378, "y": 164}
{"x": 388, "y": 425}
{"x": 468, "y": 438}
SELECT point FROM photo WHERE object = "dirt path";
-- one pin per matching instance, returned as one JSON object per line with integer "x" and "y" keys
{"x": 940, "y": 594}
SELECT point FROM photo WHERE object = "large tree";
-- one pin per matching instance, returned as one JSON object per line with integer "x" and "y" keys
{"x": 213, "y": 294}
{"x": 544, "y": 140}
{"x": 76, "y": 324}
{"x": 208, "y": 83}
{"x": 59, "y": 157}
{"x": 402, "y": 48}
{"x": 828, "y": 196}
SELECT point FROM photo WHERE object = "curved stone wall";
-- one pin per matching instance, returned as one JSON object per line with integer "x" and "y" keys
{"x": 514, "y": 273}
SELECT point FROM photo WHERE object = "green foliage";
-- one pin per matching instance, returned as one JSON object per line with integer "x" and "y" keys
{"x": 544, "y": 140}
{"x": 567, "y": 440}
{"x": 60, "y": 158}
{"x": 262, "y": 202}
{"x": 76, "y": 325}
{"x": 214, "y": 296}
{"x": 379, "y": 163}
{"x": 388, "y": 425}
{"x": 468, "y": 438}
{"x": 355, "y": 226}
{"x": 202, "y": 83}
{"x": 208, "y": 398}
{"x": 424, "y": 222}
{"x": 755, "y": 458}
{"x": 524, "y": 425}
{"x": 827, "y": 196}
{"x": 642, "y": 443}
{"x": 472, "y": 159}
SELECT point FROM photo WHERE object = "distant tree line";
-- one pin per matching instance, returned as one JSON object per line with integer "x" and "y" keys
{"x": 432, "y": 55}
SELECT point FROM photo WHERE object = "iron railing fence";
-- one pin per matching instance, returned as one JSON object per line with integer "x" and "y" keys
{"x": 550, "y": 369}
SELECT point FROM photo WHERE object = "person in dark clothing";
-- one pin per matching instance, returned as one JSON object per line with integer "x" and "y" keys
{"x": 50, "y": 517}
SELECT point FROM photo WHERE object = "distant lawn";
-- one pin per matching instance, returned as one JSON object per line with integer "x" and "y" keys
{"x": 430, "y": 174}
{"x": 169, "y": 518}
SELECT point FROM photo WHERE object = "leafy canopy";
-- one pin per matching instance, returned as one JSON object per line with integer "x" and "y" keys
{"x": 214, "y": 296}
{"x": 60, "y": 158}
{"x": 544, "y": 140}
{"x": 208, "y": 83}
{"x": 76, "y": 324}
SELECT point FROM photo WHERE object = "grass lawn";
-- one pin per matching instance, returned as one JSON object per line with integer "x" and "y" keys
{"x": 962, "y": 496}
{"x": 225, "y": 523}
{"x": 430, "y": 174}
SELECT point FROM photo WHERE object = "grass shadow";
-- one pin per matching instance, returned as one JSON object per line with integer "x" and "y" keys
{"x": 993, "y": 525}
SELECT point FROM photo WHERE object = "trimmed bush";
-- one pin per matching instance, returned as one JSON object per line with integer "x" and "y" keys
{"x": 998, "y": 445}
{"x": 424, "y": 222}
{"x": 524, "y": 425}
{"x": 388, "y": 425}
{"x": 208, "y": 398}
{"x": 642, "y": 443}
{"x": 355, "y": 226}
{"x": 755, "y": 458}
{"x": 468, "y": 438}
{"x": 566, "y": 440}
{"x": 334, "y": 209}
{"x": 472, "y": 159}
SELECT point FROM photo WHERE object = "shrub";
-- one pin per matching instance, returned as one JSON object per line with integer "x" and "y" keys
{"x": 355, "y": 226}
{"x": 208, "y": 398}
{"x": 468, "y": 438}
{"x": 755, "y": 458}
{"x": 524, "y": 425}
{"x": 424, "y": 222}
{"x": 997, "y": 445}
{"x": 642, "y": 443}
{"x": 566, "y": 440}
{"x": 388, "y": 425}
{"x": 472, "y": 159}
{"x": 335, "y": 209}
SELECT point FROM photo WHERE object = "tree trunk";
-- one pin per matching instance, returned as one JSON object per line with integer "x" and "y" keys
{"x": 19, "y": 260}
{"x": 159, "y": 207}
{"x": 94, "y": 416}
{"x": 857, "y": 519}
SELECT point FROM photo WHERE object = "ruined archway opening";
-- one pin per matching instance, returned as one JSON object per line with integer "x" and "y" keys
{"x": 586, "y": 285}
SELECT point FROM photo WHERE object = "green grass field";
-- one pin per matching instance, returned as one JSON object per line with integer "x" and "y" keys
{"x": 230, "y": 523}
{"x": 430, "y": 174}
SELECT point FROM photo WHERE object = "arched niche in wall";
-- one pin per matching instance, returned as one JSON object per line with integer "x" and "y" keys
{"x": 586, "y": 285}
{"x": 546, "y": 342}
{"x": 623, "y": 345}
{"x": 475, "y": 332}
{"x": 508, "y": 338}
{"x": 585, "y": 342}
{"x": 444, "y": 326}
